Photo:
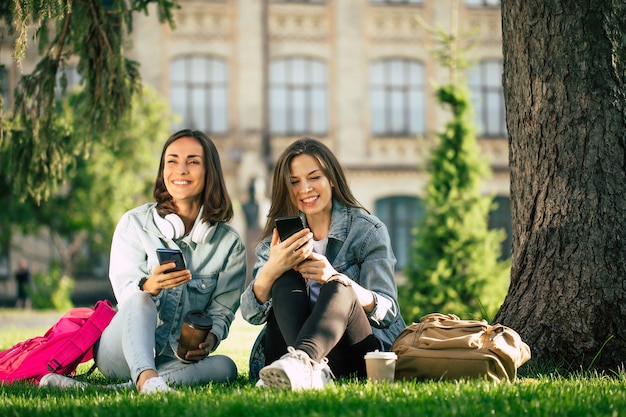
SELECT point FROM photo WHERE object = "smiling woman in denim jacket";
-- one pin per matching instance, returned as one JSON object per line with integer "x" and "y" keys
{"x": 327, "y": 293}
{"x": 191, "y": 213}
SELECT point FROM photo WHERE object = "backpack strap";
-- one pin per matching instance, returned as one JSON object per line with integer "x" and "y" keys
{"x": 84, "y": 338}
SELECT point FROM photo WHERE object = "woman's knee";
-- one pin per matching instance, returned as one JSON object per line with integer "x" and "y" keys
{"x": 221, "y": 368}
{"x": 288, "y": 282}
{"x": 339, "y": 290}
{"x": 139, "y": 300}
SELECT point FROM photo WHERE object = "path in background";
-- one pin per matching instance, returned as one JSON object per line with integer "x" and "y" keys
{"x": 27, "y": 319}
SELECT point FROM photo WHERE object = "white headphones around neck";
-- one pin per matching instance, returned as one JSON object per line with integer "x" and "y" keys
{"x": 173, "y": 227}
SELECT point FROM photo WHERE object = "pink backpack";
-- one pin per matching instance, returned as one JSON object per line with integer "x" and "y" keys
{"x": 67, "y": 343}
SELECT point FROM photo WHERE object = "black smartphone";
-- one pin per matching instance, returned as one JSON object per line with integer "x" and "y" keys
{"x": 169, "y": 255}
{"x": 288, "y": 225}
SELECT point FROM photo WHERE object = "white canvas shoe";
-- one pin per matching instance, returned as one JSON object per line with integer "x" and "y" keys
{"x": 61, "y": 381}
{"x": 295, "y": 370}
{"x": 156, "y": 385}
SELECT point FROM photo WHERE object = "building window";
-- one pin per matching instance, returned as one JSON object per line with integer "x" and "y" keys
{"x": 298, "y": 96}
{"x": 199, "y": 93}
{"x": 397, "y": 98}
{"x": 500, "y": 218}
{"x": 4, "y": 87}
{"x": 485, "y": 82}
{"x": 400, "y": 214}
{"x": 68, "y": 78}
{"x": 393, "y": 2}
{"x": 482, "y": 3}
{"x": 300, "y": 1}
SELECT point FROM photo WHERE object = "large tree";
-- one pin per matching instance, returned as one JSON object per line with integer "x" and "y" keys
{"x": 35, "y": 148}
{"x": 565, "y": 94}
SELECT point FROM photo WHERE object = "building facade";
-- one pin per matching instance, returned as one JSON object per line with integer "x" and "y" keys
{"x": 357, "y": 74}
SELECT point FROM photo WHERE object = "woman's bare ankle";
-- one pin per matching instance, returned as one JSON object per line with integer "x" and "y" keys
{"x": 144, "y": 376}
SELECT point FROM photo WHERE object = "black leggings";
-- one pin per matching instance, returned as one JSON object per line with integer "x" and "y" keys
{"x": 337, "y": 326}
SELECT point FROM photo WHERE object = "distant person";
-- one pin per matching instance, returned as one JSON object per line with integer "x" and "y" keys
{"x": 191, "y": 212}
{"x": 328, "y": 293}
{"x": 22, "y": 276}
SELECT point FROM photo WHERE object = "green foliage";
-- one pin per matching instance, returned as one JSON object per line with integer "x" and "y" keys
{"x": 36, "y": 148}
{"x": 454, "y": 265}
{"x": 52, "y": 290}
{"x": 100, "y": 186}
{"x": 113, "y": 177}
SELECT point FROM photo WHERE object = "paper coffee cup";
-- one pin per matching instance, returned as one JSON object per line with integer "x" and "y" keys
{"x": 380, "y": 366}
{"x": 196, "y": 326}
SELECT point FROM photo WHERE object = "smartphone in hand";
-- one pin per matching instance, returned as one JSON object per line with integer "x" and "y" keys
{"x": 288, "y": 225}
{"x": 166, "y": 255}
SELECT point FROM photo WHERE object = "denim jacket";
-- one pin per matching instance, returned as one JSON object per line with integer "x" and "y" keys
{"x": 359, "y": 247}
{"x": 218, "y": 269}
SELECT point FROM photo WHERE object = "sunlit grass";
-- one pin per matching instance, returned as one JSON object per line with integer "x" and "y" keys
{"x": 538, "y": 392}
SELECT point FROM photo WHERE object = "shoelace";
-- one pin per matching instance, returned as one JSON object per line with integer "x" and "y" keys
{"x": 323, "y": 367}
{"x": 302, "y": 357}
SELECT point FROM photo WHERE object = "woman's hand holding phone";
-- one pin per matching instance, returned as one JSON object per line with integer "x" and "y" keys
{"x": 165, "y": 276}
{"x": 287, "y": 254}
{"x": 170, "y": 273}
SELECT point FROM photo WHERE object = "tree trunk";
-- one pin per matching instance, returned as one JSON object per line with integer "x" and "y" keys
{"x": 564, "y": 86}
{"x": 67, "y": 252}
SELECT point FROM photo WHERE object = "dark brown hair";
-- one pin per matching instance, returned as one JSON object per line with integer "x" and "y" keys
{"x": 215, "y": 199}
{"x": 282, "y": 203}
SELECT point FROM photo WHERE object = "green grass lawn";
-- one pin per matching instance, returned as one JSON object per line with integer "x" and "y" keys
{"x": 534, "y": 393}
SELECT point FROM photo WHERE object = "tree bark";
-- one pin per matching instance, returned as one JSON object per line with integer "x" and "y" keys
{"x": 565, "y": 94}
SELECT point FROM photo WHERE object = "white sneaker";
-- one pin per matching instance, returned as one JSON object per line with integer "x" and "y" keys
{"x": 61, "y": 381}
{"x": 155, "y": 385}
{"x": 322, "y": 374}
{"x": 295, "y": 370}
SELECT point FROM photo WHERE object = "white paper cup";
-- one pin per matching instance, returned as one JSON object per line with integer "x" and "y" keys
{"x": 380, "y": 366}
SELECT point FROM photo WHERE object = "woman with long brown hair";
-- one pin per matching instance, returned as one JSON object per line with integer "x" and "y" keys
{"x": 327, "y": 294}
{"x": 190, "y": 213}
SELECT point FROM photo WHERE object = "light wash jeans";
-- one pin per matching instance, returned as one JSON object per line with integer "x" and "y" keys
{"x": 127, "y": 348}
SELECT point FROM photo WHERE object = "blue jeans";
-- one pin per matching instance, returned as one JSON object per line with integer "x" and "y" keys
{"x": 127, "y": 348}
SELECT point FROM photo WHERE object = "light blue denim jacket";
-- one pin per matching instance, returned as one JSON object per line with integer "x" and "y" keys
{"x": 359, "y": 247}
{"x": 218, "y": 269}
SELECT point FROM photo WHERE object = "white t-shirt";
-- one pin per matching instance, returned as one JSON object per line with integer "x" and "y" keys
{"x": 319, "y": 246}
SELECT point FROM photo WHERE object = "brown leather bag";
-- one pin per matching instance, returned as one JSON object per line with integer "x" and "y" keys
{"x": 444, "y": 347}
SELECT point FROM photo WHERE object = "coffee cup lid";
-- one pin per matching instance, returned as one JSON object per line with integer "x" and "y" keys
{"x": 197, "y": 319}
{"x": 380, "y": 355}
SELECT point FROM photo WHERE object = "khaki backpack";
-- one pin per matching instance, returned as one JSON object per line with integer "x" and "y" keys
{"x": 443, "y": 347}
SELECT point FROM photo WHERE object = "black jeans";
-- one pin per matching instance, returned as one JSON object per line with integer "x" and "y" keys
{"x": 337, "y": 326}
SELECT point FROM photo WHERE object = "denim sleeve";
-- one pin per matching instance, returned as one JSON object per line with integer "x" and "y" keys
{"x": 377, "y": 275}
{"x": 228, "y": 291}
{"x": 127, "y": 260}
{"x": 251, "y": 310}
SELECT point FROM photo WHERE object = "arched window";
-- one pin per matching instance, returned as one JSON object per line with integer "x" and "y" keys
{"x": 500, "y": 218}
{"x": 4, "y": 86}
{"x": 298, "y": 96}
{"x": 68, "y": 78}
{"x": 199, "y": 92}
{"x": 400, "y": 2}
{"x": 400, "y": 214}
{"x": 482, "y": 3}
{"x": 397, "y": 98}
{"x": 485, "y": 82}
